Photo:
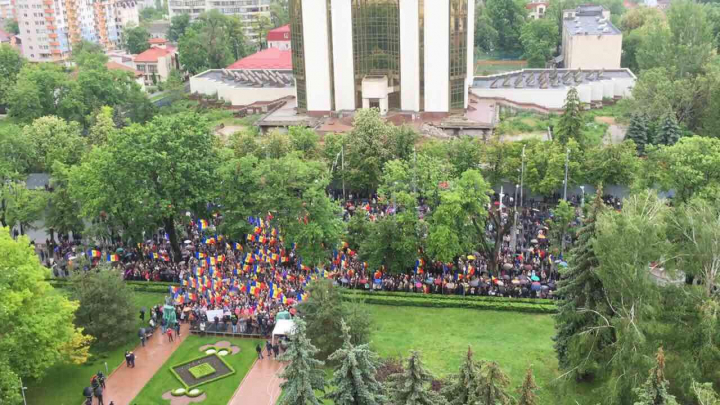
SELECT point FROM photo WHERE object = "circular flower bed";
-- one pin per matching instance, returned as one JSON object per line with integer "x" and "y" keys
{"x": 211, "y": 350}
{"x": 223, "y": 352}
{"x": 195, "y": 392}
{"x": 178, "y": 392}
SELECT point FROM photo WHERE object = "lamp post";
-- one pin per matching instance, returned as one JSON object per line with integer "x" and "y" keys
{"x": 522, "y": 175}
{"x": 567, "y": 161}
{"x": 22, "y": 389}
{"x": 582, "y": 201}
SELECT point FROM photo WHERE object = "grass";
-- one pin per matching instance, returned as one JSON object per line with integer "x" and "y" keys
{"x": 218, "y": 392}
{"x": 202, "y": 370}
{"x": 514, "y": 340}
{"x": 63, "y": 383}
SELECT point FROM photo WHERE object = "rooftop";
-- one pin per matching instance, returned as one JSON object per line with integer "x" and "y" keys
{"x": 117, "y": 66}
{"x": 271, "y": 58}
{"x": 158, "y": 41}
{"x": 153, "y": 54}
{"x": 536, "y": 4}
{"x": 279, "y": 33}
{"x": 548, "y": 78}
{"x": 242, "y": 78}
{"x": 589, "y": 20}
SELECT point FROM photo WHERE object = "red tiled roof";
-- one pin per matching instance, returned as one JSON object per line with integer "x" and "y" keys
{"x": 279, "y": 33}
{"x": 152, "y": 55}
{"x": 271, "y": 58}
{"x": 118, "y": 66}
{"x": 533, "y": 5}
{"x": 157, "y": 41}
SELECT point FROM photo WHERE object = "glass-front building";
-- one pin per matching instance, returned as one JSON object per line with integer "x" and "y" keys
{"x": 409, "y": 55}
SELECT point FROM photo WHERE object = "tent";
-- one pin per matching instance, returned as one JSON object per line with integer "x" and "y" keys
{"x": 283, "y": 315}
{"x": 283, "y": 327}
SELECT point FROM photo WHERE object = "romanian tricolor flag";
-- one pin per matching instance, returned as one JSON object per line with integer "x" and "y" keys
{"x": 185, "y": 283}
{"x": 154, "y": 256}
{"x": 193, "y": 297}
{"x": 200, "y": 255}
{"x": 202, "y": 224}
{"x": 237, "y": 246}
{"x": 112, "y": 258}
{"x": 251, "y": 237}
{"x": 174, "y": 290}
{"x": 93, "y": 253}
{"x": 301, "y": 297}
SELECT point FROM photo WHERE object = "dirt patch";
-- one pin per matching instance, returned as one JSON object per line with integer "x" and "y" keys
{"x": 182, "y": 400}
{"x": 605, "y": 120}
{"x": 221, "y": 370}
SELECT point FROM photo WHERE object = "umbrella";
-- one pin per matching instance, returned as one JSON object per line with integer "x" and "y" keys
{"x": 292, "y": 311}
{"x": 497, "y": 202}
{"x": 515, "y": 281}
{"x": 141, "y": 332}
{"x": 187, "y": 241}
{"x": 506, "y": 277}
{"x": 500, "y": 283}
{"x": 563, "y": 264}
{"x": 536, "y": 286}
{"x": 535, "y": 278}
{"x": 119, "y": 250}
{"x": 544, "y": 288}
{"x": 541, "y": 236}
{"x": 507, "y": 266}
{"x": 528, "y": 267}
{"x": 87, "y": 392}
{"x": 471, "y": 257}
{"x": 533, "y": 241}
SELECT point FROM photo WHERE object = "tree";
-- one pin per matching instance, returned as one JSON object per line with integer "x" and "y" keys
{"x": 22, "y": 206}
{"x": 11, "y": 62}
{"x": 639, "y": 132}
{"x": 612, "y": 164}
{"x": 63, "y": 212}
{"x": 17, "y": 153}
{"x": 38, "y": 330}
{"x": 545, "y": 166}
{"x": 212, "y": 41}
{"x": 366, "y": 151}
{"x": 55, "y": 140}
{"x": 260, "y": 25}
{"x": 103, "y": 127}
{"x": 357, "y": 231}
{"x": 354, "y": 376}
{"x": 580, "y": 336}
{"x": 563, "y": 215}
{"x": 323, "y": 313}
{"x": 493, "y": 386}
{"x": 655, "y": 389}
{"x": 669, "y": 132}
{"x": 486, "y": 36}
{"x": 106, "y": 309}
{"x": 36, "y": 92}
{"x": 508, "y": 18}
{"x": 570, "y": 124}
{"x": 393, "y": 241}
{"x": 11, "y": 25}
{"x": 539, "y": 40}
{"x": 151, "y": 13}
{"x": 412, "y": 385}
{"x": 303, "y": 374}
{"x": 463, "y": 386}
{"x": 527, "y": 390}
{"x": 279, "y": 13}
{"x": 178, "y": 25}
{"x": 148, "y": 175}
{"x": 136, "y": 39}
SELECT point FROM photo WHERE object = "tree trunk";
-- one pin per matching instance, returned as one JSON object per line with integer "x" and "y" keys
{"x": 170, "y": 229}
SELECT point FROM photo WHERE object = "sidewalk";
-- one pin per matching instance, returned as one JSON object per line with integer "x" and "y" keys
{"x": 261, "y": 385}
{"x": 125, "y": 383}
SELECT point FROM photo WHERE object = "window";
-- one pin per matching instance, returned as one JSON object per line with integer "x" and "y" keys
{"x": 458, "y": 52}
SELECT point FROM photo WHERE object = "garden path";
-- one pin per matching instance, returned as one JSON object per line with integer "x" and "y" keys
{"x": 125, "y": 383}
{"x": 261, "y": 385}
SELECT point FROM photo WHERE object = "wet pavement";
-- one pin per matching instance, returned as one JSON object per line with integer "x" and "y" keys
{"x": 261, "y": 385}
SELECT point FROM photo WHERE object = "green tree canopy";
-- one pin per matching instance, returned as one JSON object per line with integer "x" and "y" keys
{"x": 11, "y": 62}
{"x": 507, "y": 18}
{"x": 212, "y": 41}
{"x": 178, "y": 25}
{"x": 655, "y": 389}
{"x": 136, "y": 39}
{"x": 463, "y": 386}
{"x": 412, "y": 385}
{"x": 571, "y": 122}
{"x": 539, "y": 40}
{"x": 55, "y": 140}
{"x": 38, "y": 330}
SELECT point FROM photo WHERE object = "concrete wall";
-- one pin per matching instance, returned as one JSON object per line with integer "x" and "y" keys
{"x": 343, "y": 65}
{"x": 548, "y": 98}
{"x": 238, "y": 95}
{"x": 437, "y": 55}
{"x": 592, "y": 51}
{"x": 410, "y": 56}
{"x": 281, "y": 45}
{"x": 317, "y": 55}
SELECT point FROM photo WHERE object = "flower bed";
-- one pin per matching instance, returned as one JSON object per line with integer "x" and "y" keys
{"x": 202, "y": 370}
{"x": 189, "y": 379}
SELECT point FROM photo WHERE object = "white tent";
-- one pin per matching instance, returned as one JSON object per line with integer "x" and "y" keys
{"x": 283, "y": 327}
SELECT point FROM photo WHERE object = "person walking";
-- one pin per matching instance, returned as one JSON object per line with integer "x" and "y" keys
{"x": 141, "y": 333}
{"x": 276, "y": 350}
{"x": 101, "y": 379}
{"x": 258, "y": 349}
{"x": 99, "y": 395}
{"x": 132, "y": 359}
{"x": 127, "y": 358}
{"x": 268, "y": 348}
{"x": 177, "y": 328}
{"x": 169, "y": 333}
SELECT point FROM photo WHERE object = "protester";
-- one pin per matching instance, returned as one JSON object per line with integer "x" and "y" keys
{"x": 258, "y": 349}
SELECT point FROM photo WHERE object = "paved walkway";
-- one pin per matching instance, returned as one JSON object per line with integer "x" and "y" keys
{"x": 125, "y": 383}
{"x": 261, "y": 385}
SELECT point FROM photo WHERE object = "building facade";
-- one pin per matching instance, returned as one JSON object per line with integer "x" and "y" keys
{"x": 279, "y": 38}
{"x": 347, "y": 54}
{"x": 536, "y": 9}
{"x": 245, "y": 10}
{"x": 589, "y": 39}
{"x": 7, "y": 9}
{"x": 48, "y": 28}
{"x": 157, "y": 62}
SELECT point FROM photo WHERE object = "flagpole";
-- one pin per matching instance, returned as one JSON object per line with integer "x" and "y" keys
{"x": 342, "y": 168}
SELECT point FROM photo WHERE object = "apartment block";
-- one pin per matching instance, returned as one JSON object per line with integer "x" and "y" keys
{"x": 246, "y": 10}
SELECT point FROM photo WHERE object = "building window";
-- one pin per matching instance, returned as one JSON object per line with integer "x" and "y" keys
{"x": 458, "y": 52}
{"x": 298, "y": 52}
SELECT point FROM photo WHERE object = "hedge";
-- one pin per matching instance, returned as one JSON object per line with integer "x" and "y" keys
{"x": 447, "y": 296}
{"x": 507, "y": 304}
{"x": 143, "y": 286}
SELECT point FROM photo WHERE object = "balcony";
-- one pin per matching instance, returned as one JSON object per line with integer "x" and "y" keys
{"x": 49, "y": 11}
{"x": 48, "y": 3}
{"x": 52, "y": 35}
{"x": 56, "y": 52}
{"x": 54, "y": 43}
{"x": 50, "y": 18}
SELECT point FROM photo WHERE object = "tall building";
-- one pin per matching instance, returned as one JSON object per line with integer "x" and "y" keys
{"x": 589, "y": 39}
{"x": 409, "y": 55}
{"x": 246, "y": 10}
{"x": 48, "y": 28}
{"x": 7, "y": 9}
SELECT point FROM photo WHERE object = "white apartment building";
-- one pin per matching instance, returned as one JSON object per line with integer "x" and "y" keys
{"x": 589, "y": 39}
{"x": 48, "y": 28}
{"x": 7, "y": 9}
{"x": 407, "y": 55}
{"x": 246, "y": 10}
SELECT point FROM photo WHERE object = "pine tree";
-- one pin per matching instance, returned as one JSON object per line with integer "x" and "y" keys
{"x": 570, "y": 124}
{"x": 669, "y": 131}
{"x": 464, "y": 384}
{"x": 577, "y": 343}
{"x": 638, "y": 132}
{"x": 655, "y": 389}
{"x": 492, "y": 387}
{"x": 412, "y": 386}
{"x": 527, "y": 390}
{"x": 304, "y": 374}
{"x": 354, "y": 376}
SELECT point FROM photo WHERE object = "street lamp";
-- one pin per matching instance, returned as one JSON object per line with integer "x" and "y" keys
{"x": 22, "y": 389}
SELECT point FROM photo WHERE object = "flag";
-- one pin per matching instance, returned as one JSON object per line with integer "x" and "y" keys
{"x": 174, "y": 290}
{"x": 154, "y": 256}
{"x": 185, "y": 283}
{"x": 237, "y": 246}
{"x": 200, "y": 255}
{"x": 202, "y": 224}
{"x": 93, "y": 253}
{"x": 112, "y": 258}
{"x": 300, "y": 297}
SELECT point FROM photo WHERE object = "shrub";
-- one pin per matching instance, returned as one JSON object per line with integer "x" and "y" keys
{"x": 431, "y": 301}
{"x": 388, "y": 367}
{"x": 195, "y": 392}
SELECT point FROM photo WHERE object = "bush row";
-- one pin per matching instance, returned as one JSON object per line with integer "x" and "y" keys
{"x": 508, "y": 304}
{"x": 142, "y": 286}
{"x": 367, "y": 293}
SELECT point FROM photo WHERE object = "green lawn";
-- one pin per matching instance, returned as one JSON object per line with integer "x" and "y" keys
{"x": 63, "y": 383}
{"x": 218, "y": 392}
{"x": 513, "y": 340}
